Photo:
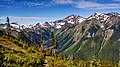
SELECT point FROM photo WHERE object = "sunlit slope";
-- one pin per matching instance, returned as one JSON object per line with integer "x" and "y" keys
{"x": 16, "y": 53}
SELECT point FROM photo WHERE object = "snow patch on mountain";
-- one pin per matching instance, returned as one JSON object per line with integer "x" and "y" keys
{"x": 80, "y": 20}
{"x": 15, "y": 25}
{"x": 72, "y": 19}
{"x": 99, "y": 16}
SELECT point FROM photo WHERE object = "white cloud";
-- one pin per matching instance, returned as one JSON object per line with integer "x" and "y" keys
{"x": 83, "y": 4}
{"x": 63, "y": 1}
{"x": 87, "y": 4}
{"x": 92, "y": 5}
{"x": 19, "y": 18}
{"x": 33, "y": 4}
{"x": 116, "y": 0}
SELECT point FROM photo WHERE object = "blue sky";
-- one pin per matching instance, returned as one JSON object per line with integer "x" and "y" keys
{"x": 34, "y": 11}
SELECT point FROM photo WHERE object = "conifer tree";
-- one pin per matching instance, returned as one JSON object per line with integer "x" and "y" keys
{"x": 19, "y": 36}
{"x": 72, "y": 58}
{"x": 83, "y": 29}
{"x": 8, "y": 21}
{"x": 41, "y": 43}
{"x": 8, "y": 25}
{"x": 53, "y": 39}
{"x": 53, "y": 43}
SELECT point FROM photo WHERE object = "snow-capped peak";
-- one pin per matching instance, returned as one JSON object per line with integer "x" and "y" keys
{"x": 72, "y": 19}
{"x": 113, "y": 14}
{"x": 99, "y": 16}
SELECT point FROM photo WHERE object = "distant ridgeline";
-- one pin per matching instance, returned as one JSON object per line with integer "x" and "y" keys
{"x": 96, "y": 37}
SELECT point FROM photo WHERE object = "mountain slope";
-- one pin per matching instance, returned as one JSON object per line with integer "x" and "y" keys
{"x": 97, "y": 36}
{"x": 15, "y": 53}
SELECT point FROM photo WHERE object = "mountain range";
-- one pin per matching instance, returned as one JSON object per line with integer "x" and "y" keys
{"x": 97, "y": 36}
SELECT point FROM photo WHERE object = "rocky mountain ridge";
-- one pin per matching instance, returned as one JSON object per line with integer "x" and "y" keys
{"x": 97, "y": 35}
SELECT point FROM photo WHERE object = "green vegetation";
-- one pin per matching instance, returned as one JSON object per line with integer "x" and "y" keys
{"x": 41, "y": 43}
{"x": 60, "y": 61}
{"x": 14, "y": 53}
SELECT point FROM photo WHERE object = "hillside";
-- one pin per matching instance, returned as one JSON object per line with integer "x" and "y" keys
{"x": 96, "y": 38}
{"x": 14, "y": 53}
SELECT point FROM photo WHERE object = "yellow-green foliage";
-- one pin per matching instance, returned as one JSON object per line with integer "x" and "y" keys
{"x": 96, "y": 64}
{"x": 59, "y": 61}
{"x": 56, "y": 61}
{"x": 16, "y": 54}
